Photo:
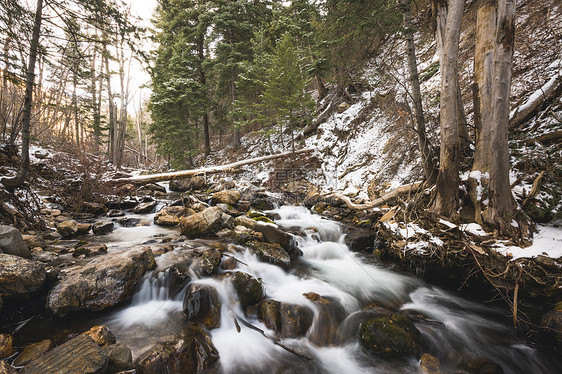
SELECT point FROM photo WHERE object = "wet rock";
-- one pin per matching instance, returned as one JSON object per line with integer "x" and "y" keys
{"x": 170, "y": 216}
{"x": 202, "y": 304}
{"x": 244, "y": 221}
{"x": 120, "y": 358}
{"x": 229, "y": 263}
{"x": 146, "y": 207}
{"x": 115, "y": 213}
{"x": 180, "y": 185}
{"x": 360, "y": 240}
{"x": 32, "y": 241}
{"x": 208, "y": 263}
{"x": 19, "y": 276}
{"x": 273, "y": 234}
{"x": 390, "y": 336}
{"x": 480, "y": 365}
{"x": 102, "y": 283}
{"x": 115, "y": 202}
{"x": 229, "y": 197}
{"x": 83, "y": 228}
{"x": 81, "y": 251}
{"x": 270, "y": 252}
{"x": 6, "y": 368}
{"x": 33, "y": 351}
{"x": 204, "y": 223}
{"x": 154, "y": 187}
{"x": 94, "y": 208}
{"x": 243, "y": 235}
{"x": 78, "y": 355}
{"x": 101, "y": 335}
{"x": 6, "y": 346}
{"x": 429, "y": 364}
{"x": 192, "y": 352}
{"x": 11, "y": 242}
{"x": 102, "y": 228}
{"x": 225, "y": 233}
{"x": 249, "y": 289}
{"x": 67, "y": 228}
{"x": 288, "y": 320}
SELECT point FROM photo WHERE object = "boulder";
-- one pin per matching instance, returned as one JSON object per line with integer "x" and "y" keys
{"x": 551, "y": 324}
{"x": 102, "y": 228}
{"x": 360, "y": 240}
{"x": 429, "y": 364}
{"x": 94, "y": 208}
{"x": 19, "y": 276}
{"x": 146, "y": 207}
{"x": 32, "y": 241}
{"x": 6, "y": 346}
{"x": 288, "y": 320}
{"x": 208, "y": 263}
{"x": 170, "y": 216}
{"x": 229, "y": 197}
{"x": 11, "y": 242}
{"x": 120, "y": 358}
{"x": 204, "y": 223}
{"x": 192, "y": 352}
{"x": 263, "y": 204}
{"x": 180, "y": 185}
{"x": 249, "y": 289}
{"x": 202, "y": 304}
{"x": 114, "y": 202}
{"x": 83, "y": 228}
{"x": 273, "y": 234}
{"x": 33, "y": 351}
{"x": 243, "y": 235}
{"x": 330, "y": 314}
{"x": 244, "y": 221}
{"x": 270, "y": 252}
{"x": 102, "y": 283}
{"x": 101, "y": 335}
{"x": 390, "y": 336}
{"x": 227, "y": 221}
{"x": 67, "y": 227}
{"x": 78, "y": 355}
{"x": 481, "y": 365}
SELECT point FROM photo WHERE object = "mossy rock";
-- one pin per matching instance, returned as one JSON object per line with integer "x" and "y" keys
{"x": 270, "y": 252}
{"x": 390, "y": 336}
{"x": 262, "y": 219}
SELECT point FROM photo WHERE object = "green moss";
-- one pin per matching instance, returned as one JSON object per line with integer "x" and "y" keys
{"x": 390, "y": 336}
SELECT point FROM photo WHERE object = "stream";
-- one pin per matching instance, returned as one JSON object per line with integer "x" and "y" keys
{"x": 453, "y": 329}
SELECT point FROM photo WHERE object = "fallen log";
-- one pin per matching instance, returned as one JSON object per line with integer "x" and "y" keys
{"x": 544, "y": 94}
{"x": 546, "y": 139}
{"x": 402, "y": 190}
{"x": 213, "y": 169}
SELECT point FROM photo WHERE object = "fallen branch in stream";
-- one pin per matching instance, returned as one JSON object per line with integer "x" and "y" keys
{"x": 213, "y": 169}
{"x": 274, "y": 340}
{"x": 402, "y": 190}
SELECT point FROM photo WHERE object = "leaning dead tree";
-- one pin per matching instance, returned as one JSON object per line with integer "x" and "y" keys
{"x": 210, "y": 170}
{"x": 391, "y": 196}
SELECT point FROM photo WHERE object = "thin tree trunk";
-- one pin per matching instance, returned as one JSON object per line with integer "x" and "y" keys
{"x": 501, "y": 207}
{"x": 446, "y": 199}
{"x": 203, "y": 81}
{"x": 430, "y": 172}
{"x": 13, "y": 183}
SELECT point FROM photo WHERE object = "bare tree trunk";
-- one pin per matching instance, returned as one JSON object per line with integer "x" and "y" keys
{"x": 203, "y": 81}
{"x": 446, "y": 199}
{"x": 429, "y": 169}
{"x": 501, "y": 207}
{"x": 13, "y": 183}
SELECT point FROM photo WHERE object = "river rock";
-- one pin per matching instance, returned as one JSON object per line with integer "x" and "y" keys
{"x": 101, "y": 335}
{"x": 288, "y": 320}
{"x": 330, "y": 314}
{"x": 33, "y": 241}
{"x": 360, "y": 240}
{"x": 114, "y": 202}
{"x": 481, "y": 365}
{"x": 180, "y": 185}
{"x": 270, "y": 252}
{"x": 115, "y": 213}
{"x": 273, "y": 234}
{"x": 208, "y": 263}
{"x": 429, "y": 364}
{"x": 227, "y": 221}
{"x": 102, "y": 228}
{"x": 244, "y": 221}
{"x": 11, "y": 242}
{"x": 170, "y": 216}
{"x": 262, "y": 204}
{"x": 33, "y": 351}
{"x": 6, "y": 368}
{"x": 202, "y": 304}
{"x": 249, "y": 289}
{"x": 146, "y": 207}
{"x": 19, "y": 276}
{"x": 551, "y": 324}
{"x": 120, "y": 358}
{"x": 102, "y": 283}
{"x": 192, "y": 352}
{"x": 204, "y": 223}
{"x": 229, "y": 197}
{"x": 67, "y": 228}
{"x": 78, "y": 355}
{"x": 94, "y": 208}
{"x": 6, "y": 346}
{"x": 83, "y": 228}
{"x": 390, "y": 336}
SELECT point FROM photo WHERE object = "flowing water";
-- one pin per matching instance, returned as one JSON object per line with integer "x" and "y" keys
{"x": 454, "y": 329}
